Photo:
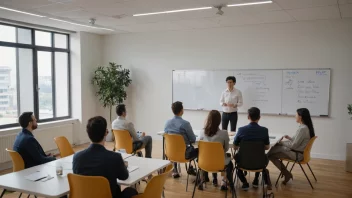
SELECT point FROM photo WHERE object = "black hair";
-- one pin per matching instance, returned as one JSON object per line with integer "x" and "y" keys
{"x": 231, "y": 78}
{"x": 120, "y": 109}
{"x": 25, "y": 119}
{"x": 254, "y": 113}
{"x": 96, "y": 128}
{"x": 177, "y": 107}
{"x": 307, "y": 120}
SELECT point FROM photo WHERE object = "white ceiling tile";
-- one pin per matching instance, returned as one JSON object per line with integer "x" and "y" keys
{"x": 198, "y": 23}
{"x": 197, "y": 14}
{"x": 158, "y": 18}
{"x": 296, "y": 4}
{"x": 76, "y": 14}
{"x": 345, "y": 1}
{"x": 346, "y": 10}
{"x": 56, "y": 8}
{"x": 152, "y": 27}
{"x": 25, "y": 4}
{"x": 274, "y": 17}
{"x": 110, "y": 21}
{"x": 327, "y": 12}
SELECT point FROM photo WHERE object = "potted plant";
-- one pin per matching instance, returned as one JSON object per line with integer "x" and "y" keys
{"x": 111, "y": 82}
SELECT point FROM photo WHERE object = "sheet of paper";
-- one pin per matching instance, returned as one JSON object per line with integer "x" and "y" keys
{"x": 132, "y": 168}
{"x": 36, "y": 176}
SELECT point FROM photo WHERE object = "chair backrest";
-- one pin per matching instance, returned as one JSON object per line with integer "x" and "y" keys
{"x": 123, "y": 140}
{"x": 88, "y": 186}
{"x": 211, "y": 157}
{"x": 64, "y": 146}
{"x": 306, "y": 152}
{"x": 251, "y": 155}
{"x": 175, "y": 147}
{"x": 17, "y": 160}
{"x": 155, "y": 186}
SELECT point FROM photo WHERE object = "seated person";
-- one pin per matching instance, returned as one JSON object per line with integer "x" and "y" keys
{"x": 122, "y": 124}
{"x": 26, "y": 144}
{"x": 298, "y": 142}
{"x": 253, "y": 132}
{"x": 212, "y": 133}
{"x": 179, "y": 126}
{"x": 96, "y": 160}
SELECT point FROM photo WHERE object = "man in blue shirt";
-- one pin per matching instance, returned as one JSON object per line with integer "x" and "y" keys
{"x": 252, "y": 132}
{"x": 26, "y": 144}
{"x": 179, "y": 126}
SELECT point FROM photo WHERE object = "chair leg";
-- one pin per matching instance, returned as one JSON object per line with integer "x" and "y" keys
{"x": 306, "y": 176}
{"x": 3, "y": 192}
{"x": 187, "y": 177}
{"x": 292, "y": 167}
{"x": 20, "y": 195}
{"x": 263, "y": 186}
{"x": 28, "y": 196}
{"x": 280, "y": 175}
{"x": 312, "y": 172}
{"x": 226, "y": 190}
{"x": 195, "y": 183}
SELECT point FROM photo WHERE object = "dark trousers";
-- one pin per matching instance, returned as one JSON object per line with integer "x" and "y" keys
{"x": 128, "y": 192}
{"x": 229, "y": 175}
{"x": 229, "y": 117}
{"x": 243, "y": 179}
{"x": 147, "y": 145}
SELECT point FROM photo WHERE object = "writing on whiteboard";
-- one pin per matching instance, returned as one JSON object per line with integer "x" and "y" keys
{"x": 321, "y": 73}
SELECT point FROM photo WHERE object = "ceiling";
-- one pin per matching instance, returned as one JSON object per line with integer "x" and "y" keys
{"x": 117, "y": 14}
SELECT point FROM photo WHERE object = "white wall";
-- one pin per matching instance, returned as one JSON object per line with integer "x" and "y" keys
{"x": 312, "y": 44}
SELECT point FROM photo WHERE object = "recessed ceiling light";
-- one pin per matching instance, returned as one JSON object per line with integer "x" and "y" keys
{"x": 13, "y": 10}
{"x": 173, "y": 11}
{"x": 253, "y": 3}
{"x": 72, "y": 23}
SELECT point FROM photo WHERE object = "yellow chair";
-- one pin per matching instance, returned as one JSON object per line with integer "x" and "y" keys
{"x": 211, "y": 159}
{"x": 64, "y": 146}
{"x": 175, "y": 149}
{"x": 123, "y": 140}
{"x": 88, "y": 186}
{"x": 17, "y": 163}
{"x": 306, "y": 160}
{"x": 155, "y": 186}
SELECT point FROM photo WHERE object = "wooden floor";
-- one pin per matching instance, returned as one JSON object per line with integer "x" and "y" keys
{"x": 333, "y": 181}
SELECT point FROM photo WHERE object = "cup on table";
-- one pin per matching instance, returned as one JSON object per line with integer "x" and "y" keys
{"x": 126, "y": 163}
{"x": 59, "y": 170}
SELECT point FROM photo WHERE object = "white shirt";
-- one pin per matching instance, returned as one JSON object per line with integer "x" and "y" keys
{"x": 122, "y": 124}
{"x": 231, "y": 97}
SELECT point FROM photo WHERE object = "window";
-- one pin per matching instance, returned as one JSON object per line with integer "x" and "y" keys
{"x": 34, "y": 74}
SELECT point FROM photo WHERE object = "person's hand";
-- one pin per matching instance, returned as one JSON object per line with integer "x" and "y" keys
{"x": 230, "y": 105}
{"x": 287, "y": 137}
{"x": 143, "y": 134}
{"x": 224, "y": 104}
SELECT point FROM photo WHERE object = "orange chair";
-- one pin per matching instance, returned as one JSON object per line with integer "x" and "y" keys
{"x": 211, "y": 159}
{"x": 18, "y": 165}
{"x": 88, "y": 186}
{"x": 64, "y": 146}
{"x": 155, "y": 186}
{"x": 306, "y": 160}
{"x": 123, "y": 140}
{"x": 175, "y": 149}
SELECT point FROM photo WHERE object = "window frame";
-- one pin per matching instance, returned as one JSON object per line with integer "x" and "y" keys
{"x": 35, "y": 49}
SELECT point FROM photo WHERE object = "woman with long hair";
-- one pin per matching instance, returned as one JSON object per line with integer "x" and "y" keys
{"x": 212, "y": 133}
{"x": 283, "y": 149}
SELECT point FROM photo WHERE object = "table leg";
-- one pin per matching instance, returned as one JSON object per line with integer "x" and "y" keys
{"x": 163, "y": 148}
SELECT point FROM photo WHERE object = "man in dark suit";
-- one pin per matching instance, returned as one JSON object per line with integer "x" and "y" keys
{"x": 27, "y": 146}
{"x": 97, "y": 161}
{"x": 252, "y": 132}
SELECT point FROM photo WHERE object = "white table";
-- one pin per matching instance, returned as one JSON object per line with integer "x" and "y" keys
{"x": 58, "y": 186}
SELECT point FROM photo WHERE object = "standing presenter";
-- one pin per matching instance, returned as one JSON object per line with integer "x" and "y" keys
{"x": 230, "y": 100}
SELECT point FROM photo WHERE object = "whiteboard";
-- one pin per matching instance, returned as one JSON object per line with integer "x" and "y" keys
{"x": 275, "y": 91}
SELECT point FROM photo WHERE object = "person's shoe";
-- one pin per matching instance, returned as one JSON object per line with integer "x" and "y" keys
{"x": 191, "y": 171}
{"x": 245, "y": 186}
{"x": 288, "y": 177}
{"x": 175, "y": 175}
{"x": 223, "y": 188}
{"x": 139, "y": 154}
{"x": 255, "y": 183}
{"x": 215, "y": 182}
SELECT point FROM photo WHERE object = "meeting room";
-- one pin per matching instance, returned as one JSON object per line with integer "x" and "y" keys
{"x": 175, "y": 98}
